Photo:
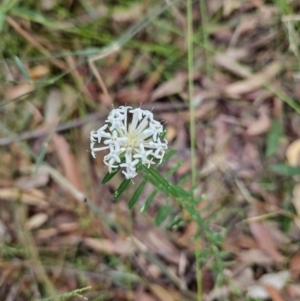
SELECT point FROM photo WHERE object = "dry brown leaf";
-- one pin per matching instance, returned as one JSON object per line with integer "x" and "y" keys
{"x": 230, "y": 6}
{"x": 294, "y": 291}
{"x": 69, "y": 98}
{"x": 68, "y": 227}
{"x": 190, "y": 231}
{"x": 275, "y": 280}
{"x": 279, "y": 237}
{"x": 264, "y": 239}
{"x": 171, "y": 87}
{"x": 150, "y": 82}
{"x": 171, "y": 132}
{"x": 218, "y": 293}
{"x": 39, "y": 179}
{"x": 38, "y": 71}
{"x": 133, "y": 95}
{"x": 37, "y": 220}
{"x": 161, "y": 293}
{"x": 274, "y": 293}
{"x": 245, "y": 26}
{"x": 68, "y": 161}
{"x": 102, "y": 245}
{"x": 131, "y": 14}
{"x": 18, "y": 91}
{"x": 203, "y": 111}
{"x": 244, "y": 276}
{"x": 107, "y": 246}
{"x": 293, "y": 153}
{"x": 186, "y": 167}
{"x": 232, "y": 65}
{"x": 142, "y": 296}
{"x": 157, "y": 241}
{"x": 46, "y": 234}
{"x": 235, "y": 240}
{"x": 31, "y": 196}
{"x": 255, "y": 256}
{"x": 295, "y": 264}
{"x": 241, "y": 280}
{"x": 53, "y": 106}
{"x": 47, "y": 4}
{"x": 260, "y": 125}
{"x": 254, "y": 82}
{"x": 154, "y": 271}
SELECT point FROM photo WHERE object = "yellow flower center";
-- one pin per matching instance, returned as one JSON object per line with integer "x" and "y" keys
{"x": 133, "y": 140}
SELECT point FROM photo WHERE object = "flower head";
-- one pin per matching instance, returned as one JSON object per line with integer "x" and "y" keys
{"x": 132, "y": 136}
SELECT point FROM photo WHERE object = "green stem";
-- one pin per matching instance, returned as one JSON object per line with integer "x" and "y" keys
{"x": 192, "y": 129}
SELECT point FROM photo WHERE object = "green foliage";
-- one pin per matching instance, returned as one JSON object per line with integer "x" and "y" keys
{"x": 137, "y": 194}
{"x": 273, "y": 138}
{"x": 22, "y": 68}
{"x": 285, "y": 170}
{"x": 67, "y": 296}
{"x": 184, "y": 198}
{"x": 285, "y": 220}
{"x": 176, "y": 222}
{"x": 121, "y": 188}
{"x": 163, "y": 213}
{"x": 109, "y": 176}
{"x": 149, "y": 201}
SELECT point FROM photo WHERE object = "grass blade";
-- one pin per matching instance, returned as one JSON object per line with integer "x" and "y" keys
{"x": 162, "y": 214}
{"x": 22, "y": 68}
{"x": 273, "y": 138}
{"x": 110, "y": 175}
{"x": 285, "y": 170}
{"x": 121, "y": 188}
{"x": 137, "y": 194}
{"x": 149, "y": 201}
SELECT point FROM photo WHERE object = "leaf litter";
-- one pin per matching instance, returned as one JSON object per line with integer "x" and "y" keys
{"x": 244, "y": 126}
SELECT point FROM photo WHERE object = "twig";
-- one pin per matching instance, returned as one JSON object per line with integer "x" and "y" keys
{"x": 162, "y": 107}
{"x": 46, "y": 130}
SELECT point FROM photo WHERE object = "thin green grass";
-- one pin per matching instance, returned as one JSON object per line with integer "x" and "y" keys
{"x": 190, "y": 39}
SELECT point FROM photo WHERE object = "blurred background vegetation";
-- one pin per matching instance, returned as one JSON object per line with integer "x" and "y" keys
{"x": 236, "y": 101}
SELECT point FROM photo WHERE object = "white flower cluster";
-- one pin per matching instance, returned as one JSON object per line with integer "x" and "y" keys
{"x": 132, "y": 134}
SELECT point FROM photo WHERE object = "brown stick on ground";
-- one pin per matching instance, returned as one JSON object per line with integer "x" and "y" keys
{"x": 159, "y": 108}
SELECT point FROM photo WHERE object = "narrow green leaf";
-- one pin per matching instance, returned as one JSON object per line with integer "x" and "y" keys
{"x": 109, "y": 176}
{"x": 285, "y": 220}
{"x": 162, "y": 214}
{"x": 174, "y": 168}
{"x": 175, "y": 221}
{"x": 22, "y": 68}
{"x": 163, "y": 134}
{"x": 41, "y": 156}
{"x": 154, "y": 192}
{"x": 137, "y": 194}
{"x": 180, "y": 192}
{"x": 156, "y": 184}
{"x": 121, "y": 188}
{"x": 149, "y": 201}
{"x": 273, "y": 138}
{"x": 34, "y": 15}
{"x": 159, "y": 181}
{"x": 183, "y": 179}
{"x": 168, "y": 155}
{"x": 286, "y": 170}
{"x": 2, "y": 19}
{"x": 67, "y": 296}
